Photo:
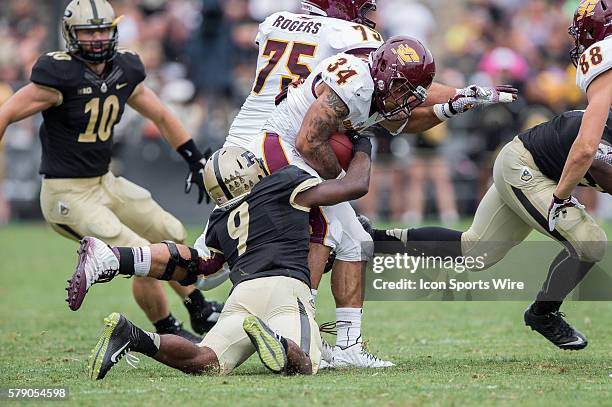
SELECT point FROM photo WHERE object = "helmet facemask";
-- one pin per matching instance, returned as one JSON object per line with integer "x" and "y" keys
{"x": 86, "y": 49}
{"x": 400, "y": 99}
{"x": 366, "y": 8}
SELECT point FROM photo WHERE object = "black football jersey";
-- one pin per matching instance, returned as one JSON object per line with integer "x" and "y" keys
{"x": 77, "y": 135}
{"x": 264, "y": 234}
{"x": 550, "y": 143}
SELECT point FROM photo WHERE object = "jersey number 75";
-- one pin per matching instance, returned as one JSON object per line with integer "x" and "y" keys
{"x": 275, "y": 50}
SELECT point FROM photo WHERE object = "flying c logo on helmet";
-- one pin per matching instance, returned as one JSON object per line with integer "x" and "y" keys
{"x": 586, "y": 9}
{"x": 406, "y": 54}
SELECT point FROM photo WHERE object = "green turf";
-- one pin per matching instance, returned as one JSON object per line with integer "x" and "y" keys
{"x": 450, "y": 354}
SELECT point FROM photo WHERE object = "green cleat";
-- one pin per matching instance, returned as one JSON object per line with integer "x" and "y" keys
{"x": 267, "y": 344}
{"x": 113, "y": 344}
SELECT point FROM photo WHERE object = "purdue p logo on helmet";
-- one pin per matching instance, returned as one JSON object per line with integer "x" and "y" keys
{"x": 231, "y": 173}
{"x": 90, "y": 15}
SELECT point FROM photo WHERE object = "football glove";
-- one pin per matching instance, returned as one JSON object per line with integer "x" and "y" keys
{"x": 474, "y": 96}
{"x": 362, "y": 144}
{"x": 559, "y": 206}
{"x": 196, "y": 161}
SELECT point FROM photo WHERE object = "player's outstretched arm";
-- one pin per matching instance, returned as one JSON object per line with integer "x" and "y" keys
{"x": 353, "y": 185}
{"x": 583, "y": 150}
{"x": 145, "y": 102}
{"x": 321, "y": 121}
{"x": 27, "y": 101}
{"x": 438, "y": 93}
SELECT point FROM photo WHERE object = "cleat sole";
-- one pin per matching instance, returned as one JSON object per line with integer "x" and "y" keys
{"x": 270, "y": 350}
{"x": 96, "y": 356}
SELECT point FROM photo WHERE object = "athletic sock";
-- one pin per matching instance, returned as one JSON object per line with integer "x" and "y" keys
{"x": 143, "y": 341}
{"x": 348, "y": 326}
{"x": 165, "y": 324}
{"x": 545, "y": 307}
{"x": 195, "y": 302}
{"x": 134, "y": 260}
{"x": 564, "y": 274}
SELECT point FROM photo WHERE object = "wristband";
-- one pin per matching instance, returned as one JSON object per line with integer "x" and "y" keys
{"x": 190, "y": 152}
{"x": 443, "y": 111}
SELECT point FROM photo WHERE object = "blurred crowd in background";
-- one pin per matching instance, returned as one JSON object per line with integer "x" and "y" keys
{"x": 200, "y": 58}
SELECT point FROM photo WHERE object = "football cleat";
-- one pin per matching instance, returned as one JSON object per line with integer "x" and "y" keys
{"x": 112, "y": 345}
{"x": 553, "y": 327}
{"x": 327, "y": 355}
{"x": 267, "y": 344}
{"x": 355, "y": 356}
{"x": 203, "y": 320}
{"x": 97, "y": 264}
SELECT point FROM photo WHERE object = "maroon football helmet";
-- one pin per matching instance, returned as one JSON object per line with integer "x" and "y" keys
{"x": 402, "y": 69}
{"x": 592, "y": 23}
{"x": 350, "y": 10}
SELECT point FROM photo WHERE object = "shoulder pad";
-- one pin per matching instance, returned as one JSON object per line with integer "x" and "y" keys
{"x": 596, "y": 60}
{"x": 132, "y": 64}
{"x": 56, "y": 70}
{"x": 346, "y": 35}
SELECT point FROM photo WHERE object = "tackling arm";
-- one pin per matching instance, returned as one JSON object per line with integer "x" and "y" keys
{"x": 321, "y": 121}
{"x": 27, "y": 101}
{"x": 585, "y": 146}
{"x": 353, "y": 185}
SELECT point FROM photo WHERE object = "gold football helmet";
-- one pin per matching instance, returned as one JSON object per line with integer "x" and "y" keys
{"x": 231, "y": 173}
{"x": 88, "y": 15}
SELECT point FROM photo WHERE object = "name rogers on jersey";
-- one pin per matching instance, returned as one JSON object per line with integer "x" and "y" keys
{"x": 301, "y": 24}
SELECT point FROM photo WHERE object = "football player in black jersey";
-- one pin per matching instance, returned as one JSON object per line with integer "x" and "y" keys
{"x": 526, "y": 172}
{"x": 260, "y": 228}
{"x": 82, "y": 94}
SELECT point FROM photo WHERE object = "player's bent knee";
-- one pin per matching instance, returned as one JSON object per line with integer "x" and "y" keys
{"x": 594, "y": 249}
{"x": 107, "y": 229}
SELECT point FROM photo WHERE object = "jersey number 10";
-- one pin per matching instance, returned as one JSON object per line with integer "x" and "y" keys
{"x": 274, "y": 50}
{"x": 110, "y": 111}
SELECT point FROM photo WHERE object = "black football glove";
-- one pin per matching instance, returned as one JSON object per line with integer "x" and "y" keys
{"x": 362, "y": 144}
{"x": 196, "y": 161}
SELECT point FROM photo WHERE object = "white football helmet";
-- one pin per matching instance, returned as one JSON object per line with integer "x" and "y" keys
{"x": 231, "y": 173}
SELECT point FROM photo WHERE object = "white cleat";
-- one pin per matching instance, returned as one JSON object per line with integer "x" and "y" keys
{"x": 327, "y": 355}
{"x": 97, "y": 264}
{"x": 355, "y": 356}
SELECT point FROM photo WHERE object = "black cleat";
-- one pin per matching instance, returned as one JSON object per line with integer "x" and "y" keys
{"x": 203, "y": 320}
{"x": 112, "y": 345}
{"x": 553, "y": 327}
{"x": 176, "y": 328}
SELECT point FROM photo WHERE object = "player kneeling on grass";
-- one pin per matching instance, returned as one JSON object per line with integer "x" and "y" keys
{"x": 260, "y": 228}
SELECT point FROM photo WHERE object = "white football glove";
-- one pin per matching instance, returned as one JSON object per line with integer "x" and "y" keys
{"x": 559, "y": 206}
{"x": 474, "y": 96}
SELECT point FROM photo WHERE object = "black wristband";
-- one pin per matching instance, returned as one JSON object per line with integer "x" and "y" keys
{"x": 190, "y": 152}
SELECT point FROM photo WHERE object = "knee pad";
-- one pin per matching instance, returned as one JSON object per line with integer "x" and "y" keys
{"x": 595, "y": 249}
{"x": 190, "y": 265}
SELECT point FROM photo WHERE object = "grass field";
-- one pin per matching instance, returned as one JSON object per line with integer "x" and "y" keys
{"x": 447, "y": 354}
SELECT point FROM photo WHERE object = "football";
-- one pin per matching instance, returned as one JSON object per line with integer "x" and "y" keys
{"x": 343, "y": 148}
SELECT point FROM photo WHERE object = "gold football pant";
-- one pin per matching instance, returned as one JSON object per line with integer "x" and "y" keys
{"x": 110, "y": 208}
{"x": 517, "y": 203}
{"x": 283, "y": 303}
